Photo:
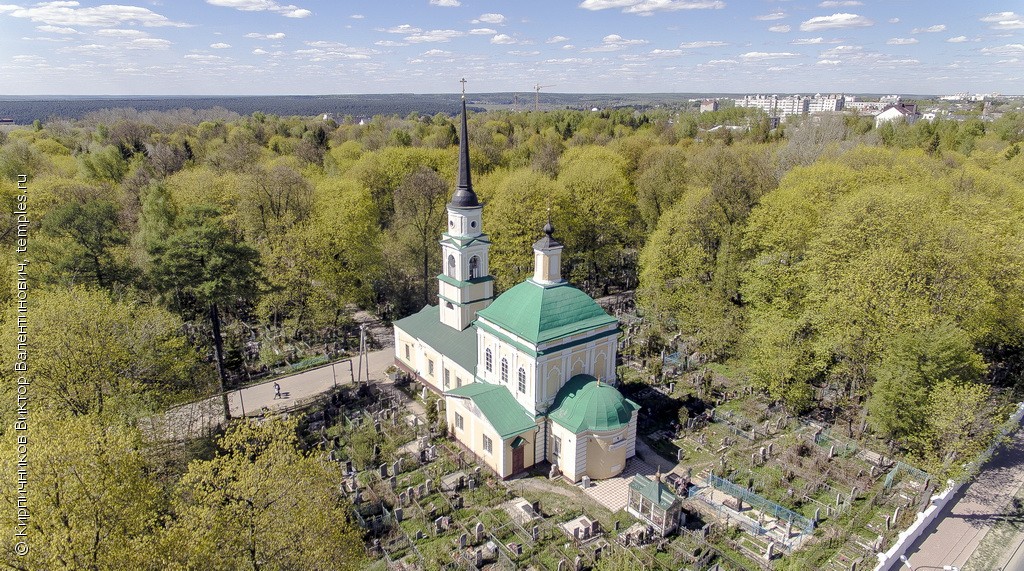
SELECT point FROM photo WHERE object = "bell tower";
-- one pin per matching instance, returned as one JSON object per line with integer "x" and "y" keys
{"x": 464, "y": 285}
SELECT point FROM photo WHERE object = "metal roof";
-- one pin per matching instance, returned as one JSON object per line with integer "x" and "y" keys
{"x": 538, "y": 313}
{"x": 499, "y": 407}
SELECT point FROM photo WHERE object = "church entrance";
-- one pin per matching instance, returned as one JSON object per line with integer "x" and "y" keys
{"x": 517, "y": 459}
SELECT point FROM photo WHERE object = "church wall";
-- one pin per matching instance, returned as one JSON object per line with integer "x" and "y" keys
{"x": 596, "y": 358}
{"x": 474, "y": 428}
{"x": 572, "y": 460}
{"x": 419, "y": 362}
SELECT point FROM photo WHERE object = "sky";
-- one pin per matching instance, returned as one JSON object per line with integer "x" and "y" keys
{"x": 263, "y": 47}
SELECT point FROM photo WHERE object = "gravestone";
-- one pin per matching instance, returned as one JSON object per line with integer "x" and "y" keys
{"x": 421, "y": 491}
{"x": 896, "y": 516}
{"x": 578, "y": 563}
{"x": 397, "y": 467}
{"x": 427, "y": 486}
{"x": 553, "y": 472}
{"x": 479, "y": 531}
{"x": 410, "y": 492}
{"x": 517, "y": 549}
{"x": 770, "y": 445}
{"x": 438, "y": 525}
{"x": 383, "y": 471}
{"x": 586, "y": 482}
{"x": 576, "y": 533}
{"x": 423, "y": 393}
{"x": 789, "y": 528}
{"x": 398, "y": 515}
{"x": 423, "y": 456}
{"x": 348, "y": 467}
{"x": 839, "y": 499}
{"x": 472, "y": 483}
{"x": 394, "y": 483}
{"x": 561, "y": 565}
{"x": 535, "y": 532}
{"x": 462, "y": 541}
{"x": 770, "y": 551}
{"x": 832, "y": 451}
{"x": 887, "y": 521}
{"x": 680, "y": 454}
{"x": 419, "y": 534}
{"x": 817, "y": 515}
{"x": 536, "y": 507}
{"x": 479, "y": 558}
{"x": 597, "y": 554}
{"x": 403, "y": 499}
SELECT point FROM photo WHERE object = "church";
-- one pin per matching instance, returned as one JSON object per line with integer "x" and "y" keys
{"x": 527, "y": 376}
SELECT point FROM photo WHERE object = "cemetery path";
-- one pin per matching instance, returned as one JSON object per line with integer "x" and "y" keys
{"x": 977, "y": 507}
{"x": 199, "y": 418}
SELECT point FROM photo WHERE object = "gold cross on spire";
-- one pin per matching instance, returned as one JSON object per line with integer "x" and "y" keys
{"x": 463, "y": 82}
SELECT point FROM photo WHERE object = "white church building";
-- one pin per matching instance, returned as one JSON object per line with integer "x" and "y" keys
{"x": 527, "y": 376}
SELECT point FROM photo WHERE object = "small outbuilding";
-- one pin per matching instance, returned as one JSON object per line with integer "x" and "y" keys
{"x": 653, "y": 502}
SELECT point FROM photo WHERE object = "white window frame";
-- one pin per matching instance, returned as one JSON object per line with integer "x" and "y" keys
{"x": 522, "y": 380}
{"x": 488, "y": 360}
{"x": 556, "y": 447}
{"x": 488, "y": 445}
{"x": 447, "y": 379}
{"x": 459, "y": 422}
{"x": 504, "y": 371}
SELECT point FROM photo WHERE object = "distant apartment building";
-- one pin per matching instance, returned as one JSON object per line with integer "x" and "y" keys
{"x": 708, "y": 105}
{"x": 826, "y": 103}
{"x": 783, "y": 107}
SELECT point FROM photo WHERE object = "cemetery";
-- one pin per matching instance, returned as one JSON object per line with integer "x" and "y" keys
{"x": 749, "y": 489}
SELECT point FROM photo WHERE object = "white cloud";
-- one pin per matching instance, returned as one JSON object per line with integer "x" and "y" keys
{"x": 665, "y": 53}
{"x": 503, "y": 39}
{"x": 56, "y": 30}
{"x": 614, "y": 42}
{"x": 288, "y": 11}
{"x": 401, "y": 29}
{"x": 70, "y": 14}
{"x": 929, "y": 29}
{"x": 274, "y": 36}
{"x": 259, "y": 51}
{"x": 807, "y": 41}
{"x": 894, "y": 20}
{"x": 839, "y": 3}
{"x": 829, "y": 62}
{"x": 901, "y": 41}
{"x": 556, "y": 40}
{"x": 780, "y": 29}
{"x": 702, "y": 44}
{"x": 434, "y": 36}
{"x": 762, "y": 56}
{"x": 1005, "y": 21}
{"x": 220, "y": 46}
{"x": 648, "y": 7}
{"x": 357, "y": 16}
{"x": 522, "y": 53}
{"x": 958, "y": 39}
{"x": 446, "y": 3}
{"x": 1007, "y": 50}
{"x": 776, "y": 15}
{"x": 149, "y": 44}
{"x": 489, "y": 19}
{"x": 389, "y": 44}
{"x": 121, "y": 33}
{"x": 483, "y": 32}
{"x": 436, "y": 53}
{"x": 721, "y": 61}
{"x": 568, "y": 47}
{"x": 842, "y": 20}
{"x": 203, "y": 58}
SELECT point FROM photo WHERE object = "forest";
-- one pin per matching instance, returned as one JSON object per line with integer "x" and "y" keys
{"x": 872, "y": 278}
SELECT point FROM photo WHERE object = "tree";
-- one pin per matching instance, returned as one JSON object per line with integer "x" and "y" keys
{"x": 420, "y": 216}
{"x": 88, "y": 236}
{"x": 93, "y": 504}
{"x": 261, "y": 504}
{"x": 110, "y": 358}
{"x": 204, "y": 265}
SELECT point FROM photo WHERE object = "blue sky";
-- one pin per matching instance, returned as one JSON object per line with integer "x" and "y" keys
{"x": 253, "y": 47}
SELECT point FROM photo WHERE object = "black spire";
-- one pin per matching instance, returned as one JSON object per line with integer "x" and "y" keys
{"x": 464, "y": 196}
{"x": 547, "y": 241}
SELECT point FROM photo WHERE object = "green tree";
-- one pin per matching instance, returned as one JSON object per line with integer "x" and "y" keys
{"x": 88, "y": 236}
{"x": 93, "y": 504}
{"x": 202, "y": 266}
{"x": 94, "y": 355}
{"x": 261, "y": 504}
{"x": 420, "y": 214}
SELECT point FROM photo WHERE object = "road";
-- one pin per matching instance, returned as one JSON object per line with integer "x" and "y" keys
{"x": 202, "y": 417}
{"x": 978, "y": 506}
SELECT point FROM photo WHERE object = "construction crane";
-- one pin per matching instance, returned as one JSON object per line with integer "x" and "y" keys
{"x": 536, "y": 95}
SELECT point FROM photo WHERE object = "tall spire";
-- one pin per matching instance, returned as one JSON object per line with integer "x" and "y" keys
{"x": 464, "y": 196}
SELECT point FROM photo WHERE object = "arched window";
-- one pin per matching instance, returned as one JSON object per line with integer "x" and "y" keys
{"x": 522, "y": 380}
{"x": 488, "y": 360}
{"x": 504, "y": 370}
{"x": 450, "y": 270}
{"x": 474, "y": 267}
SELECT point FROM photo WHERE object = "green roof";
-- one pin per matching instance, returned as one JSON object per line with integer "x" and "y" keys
{"x": 653, "y": 490}
{"x": 584, "y": 403}
{"x": 539, "y": 313}
{"x": 498, "y": 406}
{"x": 459, "y": 346}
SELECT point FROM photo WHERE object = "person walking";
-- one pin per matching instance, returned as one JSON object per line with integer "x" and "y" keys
{"x": 277, "y": 391}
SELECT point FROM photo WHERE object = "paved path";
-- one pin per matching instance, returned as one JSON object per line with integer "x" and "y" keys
{"x": 966, "y": 520}
{"x": 202, "y": 417}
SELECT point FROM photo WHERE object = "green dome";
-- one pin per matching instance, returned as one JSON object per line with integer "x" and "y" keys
{"x": 584, "y": 403}
{"x": 539, "y": 313}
